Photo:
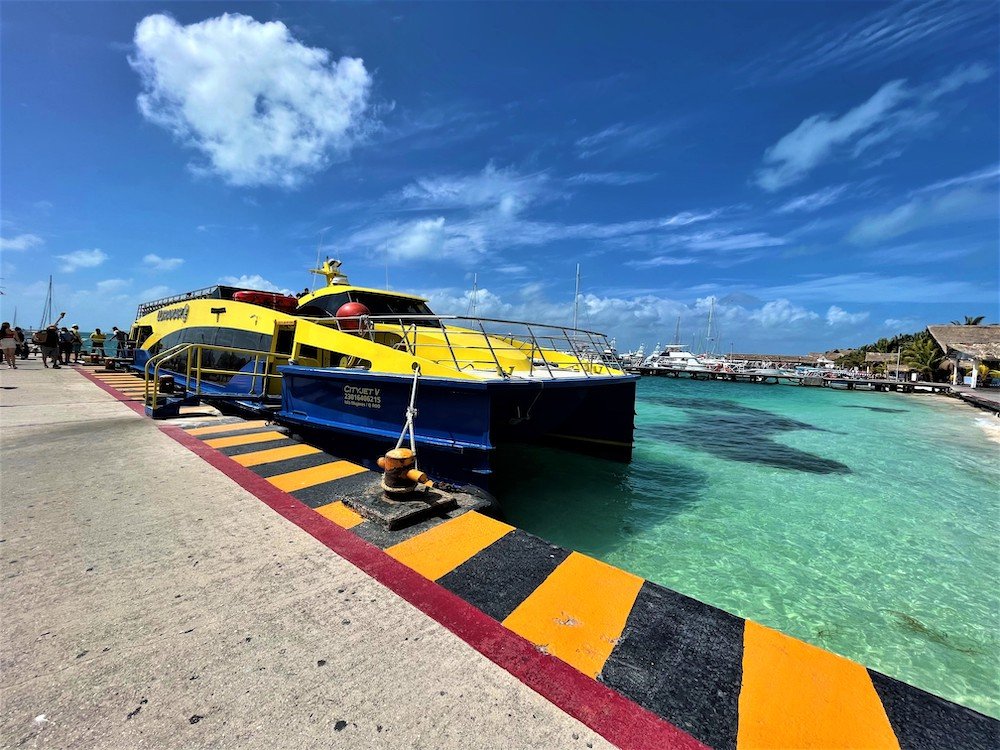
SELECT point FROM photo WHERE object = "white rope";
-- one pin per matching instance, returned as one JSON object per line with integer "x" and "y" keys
{"x": 411, "y": 413}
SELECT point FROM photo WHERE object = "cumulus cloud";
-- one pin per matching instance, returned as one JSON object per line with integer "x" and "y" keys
{"x": 255, "y": 281}
{"x": 892, "y": 111}
{"x": 836, "y": 316}
{"x": 156, "y": 263}
{"x": 261, "y": 107}
{"x": 21, "y": 242}
{"x": 781, "y": 312}
{"x": 82, "y": 259}
{"x": 964, "y": 204}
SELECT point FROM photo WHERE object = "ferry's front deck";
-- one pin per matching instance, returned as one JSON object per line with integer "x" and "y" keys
{"x": 208, "y": 587}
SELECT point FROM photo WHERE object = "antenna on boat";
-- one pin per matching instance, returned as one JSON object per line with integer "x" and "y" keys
{"x": 576, "y": 297}
{"x": 331, "y": 271}
{"x": 319, "y": 247}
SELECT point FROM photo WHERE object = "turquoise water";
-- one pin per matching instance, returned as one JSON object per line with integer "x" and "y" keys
{"x": 865, "y": 523}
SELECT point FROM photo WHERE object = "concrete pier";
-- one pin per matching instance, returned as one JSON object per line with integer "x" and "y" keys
{"x": 207, "y": 583}
{"x": 150, "y": 601}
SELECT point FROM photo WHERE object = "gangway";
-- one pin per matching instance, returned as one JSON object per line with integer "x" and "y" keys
{"x": 164, "y": 396}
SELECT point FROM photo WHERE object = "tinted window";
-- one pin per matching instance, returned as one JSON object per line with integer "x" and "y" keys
{"x": 377, "y": 304}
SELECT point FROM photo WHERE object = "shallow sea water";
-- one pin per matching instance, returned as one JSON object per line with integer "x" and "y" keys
{"x": 865, "y": 523}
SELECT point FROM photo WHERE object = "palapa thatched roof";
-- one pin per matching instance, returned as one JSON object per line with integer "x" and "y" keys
{"x": 977, "y": 342}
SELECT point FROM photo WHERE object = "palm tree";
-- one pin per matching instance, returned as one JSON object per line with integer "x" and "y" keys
{"x": 969, "y": 321}
{"x": 923, "y": 355}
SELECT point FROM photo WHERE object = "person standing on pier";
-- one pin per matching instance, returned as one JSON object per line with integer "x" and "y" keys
{"x": 97, "y": 342}
{"x": 22, "y": 342}
{"x": 49, "y": 343}
{"x": 77, "y": 343}
{"x": 65, "y": 345}
{"x": 8, "y": 343}
{"x": 119, "y": 336}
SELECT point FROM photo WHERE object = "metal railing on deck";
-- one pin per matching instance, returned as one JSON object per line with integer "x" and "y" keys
{"x": 194, "y": 366}
{"x": 553, "y": 350}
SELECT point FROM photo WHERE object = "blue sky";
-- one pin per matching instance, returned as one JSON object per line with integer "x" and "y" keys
{"x": 827, "y": 173}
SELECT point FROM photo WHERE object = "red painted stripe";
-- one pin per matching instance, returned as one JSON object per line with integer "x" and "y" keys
{"x": 139, "y": 407}
{"x": 619, "y": 720}
{"x": 610, "y": 714}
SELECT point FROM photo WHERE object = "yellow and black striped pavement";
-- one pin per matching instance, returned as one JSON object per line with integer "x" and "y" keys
{"x": 728, "y": 682}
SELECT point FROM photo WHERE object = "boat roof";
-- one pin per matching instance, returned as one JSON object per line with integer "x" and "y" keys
{"x": 221, "y": 291}
{"x": 339, "y": 288}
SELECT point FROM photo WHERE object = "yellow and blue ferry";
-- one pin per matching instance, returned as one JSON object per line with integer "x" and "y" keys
{"x": 342, "y": 362}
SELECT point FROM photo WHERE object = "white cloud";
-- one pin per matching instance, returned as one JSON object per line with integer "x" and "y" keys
{"x": 964, "y": 204}
{"x": 864, "y": 287}
{"x": 621, "y": 138}
{"x": 504, "y": 189}
{"x": 901, "y": 324}
{"x": 154, "y": 292}
{"x": 818, "y": 136}
{"x": 895, "y": 109}
{"x": 890, "y": 32}
{"x": 21, "y": 242}
{"x": 263, "y": 108}
{"x": 725, "y": 240}
{"x": 112, "y": 286}
{"x": 781, "y": 312}
{"x": 156, "y": 263}
{"x": 813, "y": 201}
{"x": 609, "y": 178}
{"x": 988, "y": 174}
{"x": 255, "y": 281}
{"x": 836, "y": 316}
{"x": 82, "y": 259}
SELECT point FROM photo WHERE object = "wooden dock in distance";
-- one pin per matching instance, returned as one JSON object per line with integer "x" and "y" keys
{"x": 839, "y": 383}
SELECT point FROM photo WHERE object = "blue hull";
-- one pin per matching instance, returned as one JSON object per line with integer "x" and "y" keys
{"x": 460, "y": 423}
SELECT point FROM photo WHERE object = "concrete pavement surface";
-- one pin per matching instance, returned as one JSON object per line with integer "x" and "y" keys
{"x": 149, "y": 601}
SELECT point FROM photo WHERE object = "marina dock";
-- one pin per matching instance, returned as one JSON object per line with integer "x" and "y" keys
{"x": 841, "y": 383}
{"x": 206, "y": 582}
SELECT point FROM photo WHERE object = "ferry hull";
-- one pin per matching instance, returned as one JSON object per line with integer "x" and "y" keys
{"x": 460, "y": 423}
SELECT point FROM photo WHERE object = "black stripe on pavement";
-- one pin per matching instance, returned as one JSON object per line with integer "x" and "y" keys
{"x": 328, "y": 492}
{"x": 500, "y": 577}
{"x": 238, "y": 450}
{"x": 682, "y": 660}
{"x": 923, "y": 721}
{"x": 237, "y": 430}
{"x": 307, "y": 461}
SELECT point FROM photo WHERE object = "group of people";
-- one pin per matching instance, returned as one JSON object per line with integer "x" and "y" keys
{"x": 62, "y": 346}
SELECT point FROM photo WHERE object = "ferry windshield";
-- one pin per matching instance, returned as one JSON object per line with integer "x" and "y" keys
{"x": 377, "y": 304}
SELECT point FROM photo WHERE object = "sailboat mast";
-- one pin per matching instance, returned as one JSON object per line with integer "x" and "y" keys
{"x": 47, "y": 310}
{"x": 576, "y": 297}
{"x": 475, "y": 293}
{"x": 677, "y": 331}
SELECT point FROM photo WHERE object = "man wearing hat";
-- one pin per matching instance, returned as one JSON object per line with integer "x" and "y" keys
{"x": 77, "y": 343}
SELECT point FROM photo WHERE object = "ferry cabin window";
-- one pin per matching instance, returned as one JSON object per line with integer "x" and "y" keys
{"x": 212, "y": 359}
{"x": 377, "y": 304}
